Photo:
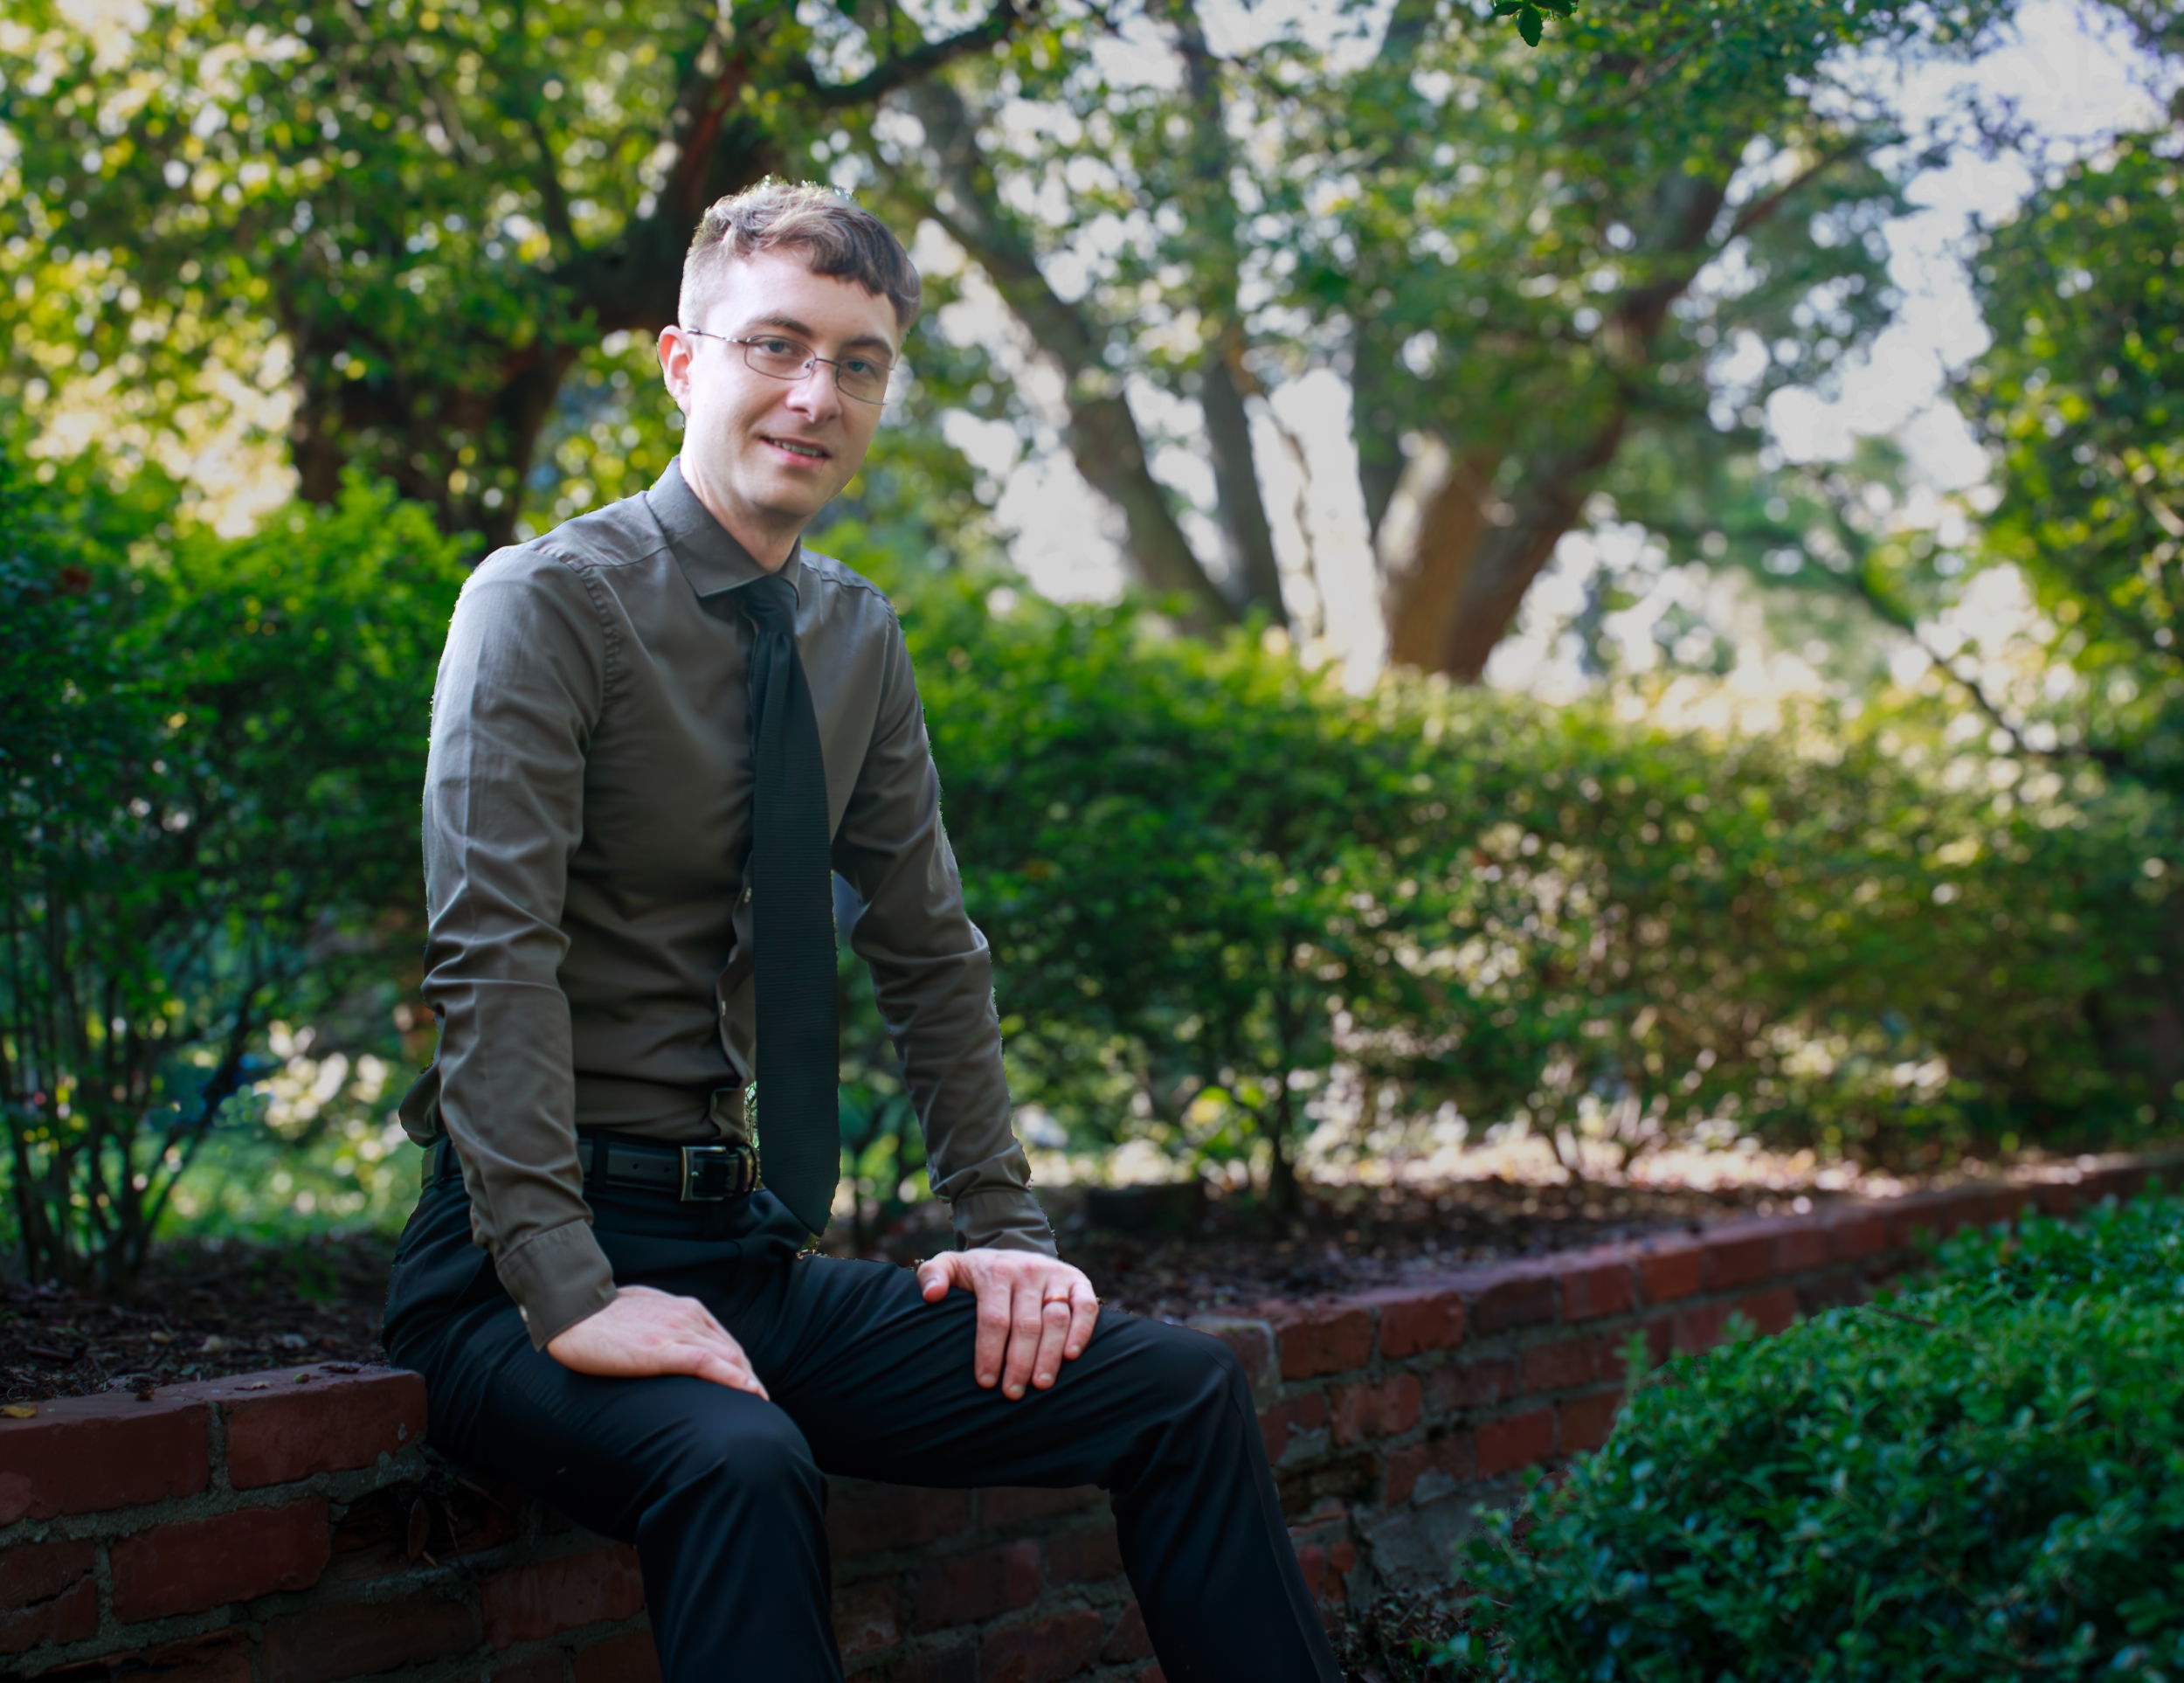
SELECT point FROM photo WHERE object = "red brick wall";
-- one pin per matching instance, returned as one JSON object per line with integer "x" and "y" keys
{"x": 291, "y": 1526}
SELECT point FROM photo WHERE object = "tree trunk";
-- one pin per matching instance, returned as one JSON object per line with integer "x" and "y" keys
{"x": 1255, "y": 575}
{"x": 1101, "y": 434}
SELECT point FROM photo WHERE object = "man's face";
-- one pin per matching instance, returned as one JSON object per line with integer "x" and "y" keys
{"x": 766, "y": 454}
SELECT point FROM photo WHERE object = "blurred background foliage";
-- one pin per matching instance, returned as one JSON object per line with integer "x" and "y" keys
{"x": 304, "y": 306}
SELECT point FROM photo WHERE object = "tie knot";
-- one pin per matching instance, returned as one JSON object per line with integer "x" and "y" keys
{"x": 770, "y": 603}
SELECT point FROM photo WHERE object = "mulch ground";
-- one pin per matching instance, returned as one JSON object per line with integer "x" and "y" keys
{"x": 206, "y": 1309}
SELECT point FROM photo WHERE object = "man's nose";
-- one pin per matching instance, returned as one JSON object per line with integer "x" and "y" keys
{"x": 814, "y": 396}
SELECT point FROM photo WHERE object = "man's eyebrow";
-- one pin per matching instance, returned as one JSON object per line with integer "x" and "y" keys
{"x": 789, "y": 324}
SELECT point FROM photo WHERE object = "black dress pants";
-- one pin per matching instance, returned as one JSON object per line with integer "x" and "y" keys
{"x": 722, "y": 1493}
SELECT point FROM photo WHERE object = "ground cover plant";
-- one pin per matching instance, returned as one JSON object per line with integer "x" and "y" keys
{"x": 1981, "y": 1478}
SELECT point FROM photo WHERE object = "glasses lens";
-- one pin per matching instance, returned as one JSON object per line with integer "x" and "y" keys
{"x": 863, "y": 378}
{"x": 785, "y": 360}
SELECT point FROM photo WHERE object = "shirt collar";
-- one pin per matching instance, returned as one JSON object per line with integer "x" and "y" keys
{"x": 710, "y": 559}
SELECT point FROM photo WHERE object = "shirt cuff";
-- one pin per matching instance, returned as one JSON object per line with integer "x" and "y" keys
{"x": 558, "y": 1278}
{"x": 1001, "y": 1218}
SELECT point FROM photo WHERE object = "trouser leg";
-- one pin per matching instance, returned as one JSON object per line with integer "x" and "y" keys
{"x": 717, "y": 1489}
{"x": 881, "y": 1383}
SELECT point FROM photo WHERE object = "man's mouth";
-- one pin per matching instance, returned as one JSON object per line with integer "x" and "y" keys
{"x": 799, "y": 448}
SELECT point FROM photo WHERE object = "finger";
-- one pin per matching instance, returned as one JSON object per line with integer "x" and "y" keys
{"x": 993, "y": 1331}
{"x": 1054, "y": 1331}
{"x": 736, "y": 1375}
{"x": 1084, "y": 1315}
{"x": 934, "y": 1277}
{"x": 1024, "y": 1330}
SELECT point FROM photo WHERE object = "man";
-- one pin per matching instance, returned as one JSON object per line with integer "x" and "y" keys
{"x": 655, "y": 730}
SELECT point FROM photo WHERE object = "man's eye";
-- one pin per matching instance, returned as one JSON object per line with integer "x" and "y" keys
{"x": 776, "y": 347}
{"x": 862, "y": 367}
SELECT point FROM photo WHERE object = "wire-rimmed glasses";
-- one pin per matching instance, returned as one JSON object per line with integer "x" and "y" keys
{"x": 779, "y": 357}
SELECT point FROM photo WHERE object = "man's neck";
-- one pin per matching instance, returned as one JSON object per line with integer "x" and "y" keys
{"x": 769, "y": 543}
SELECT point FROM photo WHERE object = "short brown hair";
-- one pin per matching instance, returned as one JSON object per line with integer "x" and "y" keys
{"x": 841, "y": 237}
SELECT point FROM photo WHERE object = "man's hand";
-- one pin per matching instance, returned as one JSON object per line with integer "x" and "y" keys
{"x": 643, "y": 1332}
{"x": 1034, "y": 1313}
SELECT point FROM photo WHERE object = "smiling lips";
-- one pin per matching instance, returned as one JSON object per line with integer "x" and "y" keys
{"x": 802, "y": 447}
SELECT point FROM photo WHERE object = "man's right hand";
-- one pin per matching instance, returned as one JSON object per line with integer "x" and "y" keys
{"x": 643, "y": 1332}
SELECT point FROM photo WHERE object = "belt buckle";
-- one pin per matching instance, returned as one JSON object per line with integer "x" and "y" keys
{"x": 695, "y": 1160}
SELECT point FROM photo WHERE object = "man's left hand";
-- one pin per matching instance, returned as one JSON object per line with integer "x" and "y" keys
{"x": 1034, "y": 1313}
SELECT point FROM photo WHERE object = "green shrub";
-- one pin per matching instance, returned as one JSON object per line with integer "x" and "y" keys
{"x": 211, "y": 750}
{"x": 1982, "y": 1479}
{"x": 1228, "y": 901}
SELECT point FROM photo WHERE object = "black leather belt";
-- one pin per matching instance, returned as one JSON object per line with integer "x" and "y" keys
{"x": 694, "y": 1175}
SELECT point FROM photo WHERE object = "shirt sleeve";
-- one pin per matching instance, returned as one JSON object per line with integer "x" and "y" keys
{"x": 933, "y": 974}
{"x": 521, "y": 682}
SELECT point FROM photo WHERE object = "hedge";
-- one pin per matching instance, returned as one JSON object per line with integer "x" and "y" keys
{"x": 1983, "y": 1478}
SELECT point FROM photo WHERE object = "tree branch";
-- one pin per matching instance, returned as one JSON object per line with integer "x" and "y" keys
{"x": 900, "y": 70}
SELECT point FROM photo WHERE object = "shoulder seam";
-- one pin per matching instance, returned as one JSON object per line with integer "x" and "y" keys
{"x": 586, "y": 573}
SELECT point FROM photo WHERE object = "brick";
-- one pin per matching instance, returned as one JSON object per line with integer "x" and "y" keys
{"x": 33, "y": 1572}
{"x": 534, "y": 1668}
{"x": 1738, "y": 1254}
{"x": 1700, "y": 1327}
{"x": 1669, "y": 1269}
{"x": 630, "y": 1658}
{"x": 1311, "y": 1560}
{"x": 70, "y": 1614}
{"x": 1129, "y": 1639}
{"x": 1463, "y": 1385}
{"x": 1925, "y": 1217}
{"x": 1585, "y": 1422}
{"x": 1277, "y": 1425}
{"x": 1771, "y": 1312}
{"x": 1440, "y": 1462}
{"x": 1521, "y": 1294}
{"x": 1594, "y": 1286}
{"x": 1859, "y": 1233}
{"x": 1326, "y": 1486}
{"x": 187, "y": 1567}
{"x": 357, "y": 1640}
{"x": 1802, "y": 1245}
{"x": 1015, "y": 1505}
{"x": 868, "y": 1617}
{"x": 2056, "y": 1197}
{"x": 545, "y": 1597}
{"x": 1084, "y": 1556}
{"x": 1250, "y": 1341}
{"x": 1521, "y": 1440}
{"x": 1039, "y": 1653}
{"x": 280, "y": 1427}
{"x": 864, "y": 1518}
{"x": 1559, "y": 1366}
{"x": 90, "y": 1454}
{"x": 1324, "y": 1339}
{"x": 2008, "y": 1204}
{"x": 957, "y": 1664}
{"x": 968, "y": 1588}
{"x": 1386, "y": 1409}
{"x": 1413, "y": 1321}
{"x": 223, "y": 1657}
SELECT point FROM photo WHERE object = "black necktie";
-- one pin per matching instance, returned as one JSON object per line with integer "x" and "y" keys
{"x": 792, "y": 917}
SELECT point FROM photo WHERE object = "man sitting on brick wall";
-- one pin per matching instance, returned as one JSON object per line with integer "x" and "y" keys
{"x": 657, "y": 733}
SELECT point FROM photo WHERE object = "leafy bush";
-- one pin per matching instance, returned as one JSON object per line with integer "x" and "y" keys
{"x": 211, "y": 751}
{"x": 1229, "y": 903}
{"x": 1983, "y": 1479}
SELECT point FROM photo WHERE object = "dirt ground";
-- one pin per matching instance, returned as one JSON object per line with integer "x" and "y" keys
{"x": 210, "y": 1308}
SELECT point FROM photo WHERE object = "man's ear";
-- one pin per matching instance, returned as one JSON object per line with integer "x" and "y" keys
{"x": 676, "y": 350}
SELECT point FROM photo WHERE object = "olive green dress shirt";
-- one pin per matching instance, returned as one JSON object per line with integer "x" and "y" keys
{"x": 587, "y": 819}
